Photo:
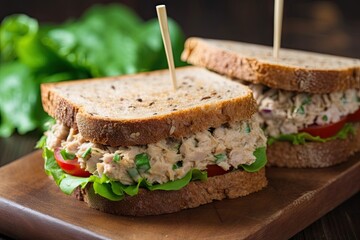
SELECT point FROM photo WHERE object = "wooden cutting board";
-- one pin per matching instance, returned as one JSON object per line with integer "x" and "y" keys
{"x": 31, "y": 206}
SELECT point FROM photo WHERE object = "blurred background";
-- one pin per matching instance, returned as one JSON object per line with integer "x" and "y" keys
{"x": 323, "y": 26}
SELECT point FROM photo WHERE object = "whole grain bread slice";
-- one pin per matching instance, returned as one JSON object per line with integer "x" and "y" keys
{"x": 313, "y": 154}
{"x": 294, "y": 70}
{"x": 196, "y": 193}
{"x": 144, "y": 108}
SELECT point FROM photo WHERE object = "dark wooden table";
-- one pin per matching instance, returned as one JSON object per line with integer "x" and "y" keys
{"x": 341, "y": 223}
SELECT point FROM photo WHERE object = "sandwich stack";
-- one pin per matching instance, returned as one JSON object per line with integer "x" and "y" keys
{"x": 131, "y": 145}
{"x": 309, "y": 103}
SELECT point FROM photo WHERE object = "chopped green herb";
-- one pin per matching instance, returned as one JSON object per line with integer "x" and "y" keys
{"x": 134, "y": 174}
{"x": 86, "y": 153}
{"x": 220, "y": 158}
{"x": 358, "y": 99}
{"x": 177, "y": 146}
{"x": 306, "y": 101}
{"x": 142, "y": 162}
{"x": 66, "y": 155}
{"x": 247, "y": 128}
{"x": 301, "y": 109}
{"x": 117, "y": 157}
{"x": 177, "y": 165}
{"x": 325, "y": 118}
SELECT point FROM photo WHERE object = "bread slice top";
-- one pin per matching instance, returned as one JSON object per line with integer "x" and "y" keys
{"x": 294, "y": 70}
{"x": 143, "y": 108}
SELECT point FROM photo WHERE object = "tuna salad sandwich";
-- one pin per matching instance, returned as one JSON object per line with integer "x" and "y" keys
{"x": 309, "y": 103}
{"x": 131, "y": 145}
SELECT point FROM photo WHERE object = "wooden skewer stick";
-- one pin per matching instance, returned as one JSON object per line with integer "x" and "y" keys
{"x": 278, "y": 15}
{"x": 162, "y": 16}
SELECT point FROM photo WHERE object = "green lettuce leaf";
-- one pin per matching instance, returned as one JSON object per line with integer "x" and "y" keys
{"x": 105, "y": 190}
{"x": 115, "y": 191}
{"x": 302, "y": 138}
{"x": 13, "y": 29}
{"x": 105, "y": 187}
{"x": 68, "y": 183}
{"x": 52, "y": 168}
{"x": 260, "y": 162}
{"x": 194, "y": 174}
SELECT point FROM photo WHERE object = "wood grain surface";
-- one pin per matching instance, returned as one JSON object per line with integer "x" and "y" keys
{"x": 31, "y": 206}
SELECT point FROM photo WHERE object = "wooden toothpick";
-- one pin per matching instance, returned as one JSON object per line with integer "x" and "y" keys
{"x": 162, "y": 16}
{"x": 278, "y": 15}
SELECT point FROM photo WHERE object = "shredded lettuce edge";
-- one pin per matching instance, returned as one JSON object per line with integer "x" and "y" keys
{"x": 302, "y": 138}
{"x": 116, "y": 191}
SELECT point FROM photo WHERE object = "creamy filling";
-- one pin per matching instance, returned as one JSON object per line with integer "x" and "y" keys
{"x": 227, "y": 146}
{"x": 287, "y": 112}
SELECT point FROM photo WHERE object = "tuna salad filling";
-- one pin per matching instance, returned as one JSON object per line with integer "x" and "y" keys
{"x": 286, "y": 112}
{"x": 229, "y": 146}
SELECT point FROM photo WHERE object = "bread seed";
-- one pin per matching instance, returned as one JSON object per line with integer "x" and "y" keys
{"x": 204, "y": 98}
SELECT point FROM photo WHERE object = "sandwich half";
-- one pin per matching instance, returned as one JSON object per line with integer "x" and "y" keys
{"x": 131, "y": 145}
{"x": 309, "y": 103}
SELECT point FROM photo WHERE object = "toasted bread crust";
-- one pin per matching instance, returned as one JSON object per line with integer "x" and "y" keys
{"x": 196, "y": 193}
{"x": 201, "y": 52}
{"x": 127, "y": 133}
{"x": 58, "y": 107}
{"x": 313, "y": 154}
{"x": 138, "y": 131}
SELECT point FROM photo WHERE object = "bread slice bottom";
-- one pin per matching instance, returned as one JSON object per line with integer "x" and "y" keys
{"x": 314, "y": 154}
{"x": 196, "y": 193}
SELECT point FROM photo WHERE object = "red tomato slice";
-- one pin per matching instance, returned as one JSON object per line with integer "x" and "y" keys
{"x": 214, "y": 170}
{"x": 325, "y": 131}
{"x": 355, "y": 117}
{"x": 71, "y": 167}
